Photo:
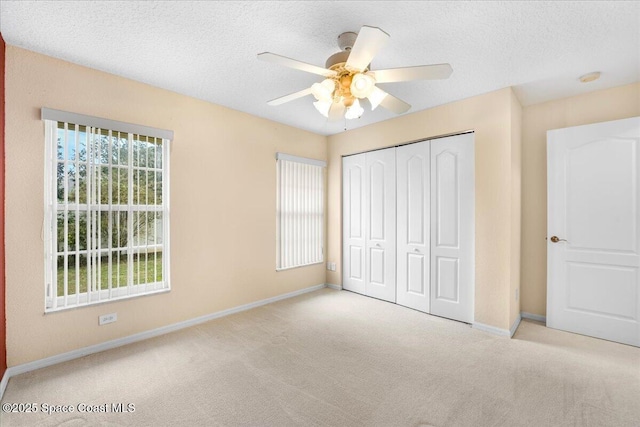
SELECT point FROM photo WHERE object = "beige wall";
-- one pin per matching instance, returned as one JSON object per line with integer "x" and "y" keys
{"x": 601, "y": 106}
{"x": 222, "y": 204}
{"x": 490, "y": 116}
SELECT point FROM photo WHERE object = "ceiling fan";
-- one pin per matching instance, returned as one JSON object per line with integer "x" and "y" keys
{"x": 349, "y": 79}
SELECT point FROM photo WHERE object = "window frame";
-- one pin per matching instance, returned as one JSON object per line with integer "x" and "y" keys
{"x": 54, "y": 302}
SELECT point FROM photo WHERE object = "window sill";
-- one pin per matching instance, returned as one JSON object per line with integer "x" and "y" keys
{"x": 50, "y": 310}
{"x": 299, "y": 266}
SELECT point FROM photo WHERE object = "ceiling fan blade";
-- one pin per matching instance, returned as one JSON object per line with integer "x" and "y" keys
{"x": 394, "y": 104}
{"x": 294, "y": 63}
{"x": 368, "y": 43}
{"x": 290, "y": 97}
{"x": 421, "y": 72}
{"x": 336, "y": 111}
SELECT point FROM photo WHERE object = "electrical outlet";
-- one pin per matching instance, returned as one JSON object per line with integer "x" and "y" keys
{"x": 333, "y": 266}
{"x": 107, "y": 318}
{"x": 329, "y": 266}
{"x": 517, "y": 294}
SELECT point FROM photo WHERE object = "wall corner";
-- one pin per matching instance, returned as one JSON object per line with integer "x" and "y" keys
{"x": 515, "y": 124}
{"x": 3, "y": 323}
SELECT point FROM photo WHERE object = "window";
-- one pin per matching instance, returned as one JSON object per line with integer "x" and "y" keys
{"x": 300, "y": 211}
{"x": 106, "y": 210}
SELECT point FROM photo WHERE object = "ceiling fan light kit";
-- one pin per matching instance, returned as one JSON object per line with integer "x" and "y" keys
{"x": 362, "y": 85}
{"x": 323, "y": 91}
{"x": 323, "y": 107}
{"x": 354, "y": 111}
{"x": 376, "y": 97}
{"x": 349, "y": 79}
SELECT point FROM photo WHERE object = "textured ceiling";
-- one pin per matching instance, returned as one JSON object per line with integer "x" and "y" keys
{"x": 208, "y": 49}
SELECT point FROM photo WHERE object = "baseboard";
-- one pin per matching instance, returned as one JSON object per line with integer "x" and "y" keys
{"x": 536, "y": 317}
{"x": 336, "y": 287}
{"x": 108, "y": 345}
{"x": 515, "y": 325}
{"x": 491, "y": 329}
{"x": 497, "y": 331}
{"x": 4, "y": 382}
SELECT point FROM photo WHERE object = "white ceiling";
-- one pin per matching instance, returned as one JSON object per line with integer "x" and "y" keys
{"x": 208, "y": 49}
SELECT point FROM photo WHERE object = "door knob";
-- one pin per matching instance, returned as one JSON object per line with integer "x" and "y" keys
{"x": 377, "y": 245}
{"x": 556, "y": 239}
{"x": 417, "y": 250}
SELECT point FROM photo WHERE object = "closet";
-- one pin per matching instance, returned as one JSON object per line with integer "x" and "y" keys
{"x": 408, "y": 225}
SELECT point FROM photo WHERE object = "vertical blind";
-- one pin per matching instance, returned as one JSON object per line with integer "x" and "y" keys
{"x": 106, "y": 214}
{"x": 300, "y": 211}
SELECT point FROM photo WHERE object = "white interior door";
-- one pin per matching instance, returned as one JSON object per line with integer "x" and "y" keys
{"x": 452, "y": 227}
{"x": 353, "y": 223}
{"x": 413, "y": 164}
{"x": 593, "y": 286}
{"x": 380, "y": 213}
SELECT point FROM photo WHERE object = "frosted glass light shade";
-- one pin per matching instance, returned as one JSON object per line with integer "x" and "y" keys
{"x": 362, "y": 85}
{"x": 376, "y": 96}
{"x": 323, "y": 107}
{"x": 355, "y": 111}
{"x": 323, "y": 91}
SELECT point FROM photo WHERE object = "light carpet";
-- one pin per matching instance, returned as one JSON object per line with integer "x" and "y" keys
{"x": 334, "y": 358}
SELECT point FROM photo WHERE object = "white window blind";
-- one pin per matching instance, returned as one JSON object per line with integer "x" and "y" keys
{"x": 106, "y": 211}
{"x": 300, "y": 211}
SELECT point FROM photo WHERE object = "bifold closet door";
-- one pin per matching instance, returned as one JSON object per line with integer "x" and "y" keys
{"x": 413, "y": 164}
{"x": 369, "y": 224}
{"x": 380, "y": 221}
{"x": 431, "y": 242}
{"x": 452, "y": 227}
{"x": 353, "y": 223}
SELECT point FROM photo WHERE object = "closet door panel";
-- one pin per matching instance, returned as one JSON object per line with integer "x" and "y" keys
{"x": 353, "y": 223}
{"x": 380, "y": 220}
{"x": 452, "y": 227}
{"x": 413, "y": 200}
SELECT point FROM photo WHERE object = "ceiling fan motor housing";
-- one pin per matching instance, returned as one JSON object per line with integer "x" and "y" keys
{"x": 347, "y": 40}
{"x": 345, "y": 43}
{"x": 337, "y": 58}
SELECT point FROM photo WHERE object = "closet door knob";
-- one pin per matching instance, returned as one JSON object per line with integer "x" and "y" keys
{"x": 377, "y": 245}
{"x": 417, "y": 250}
